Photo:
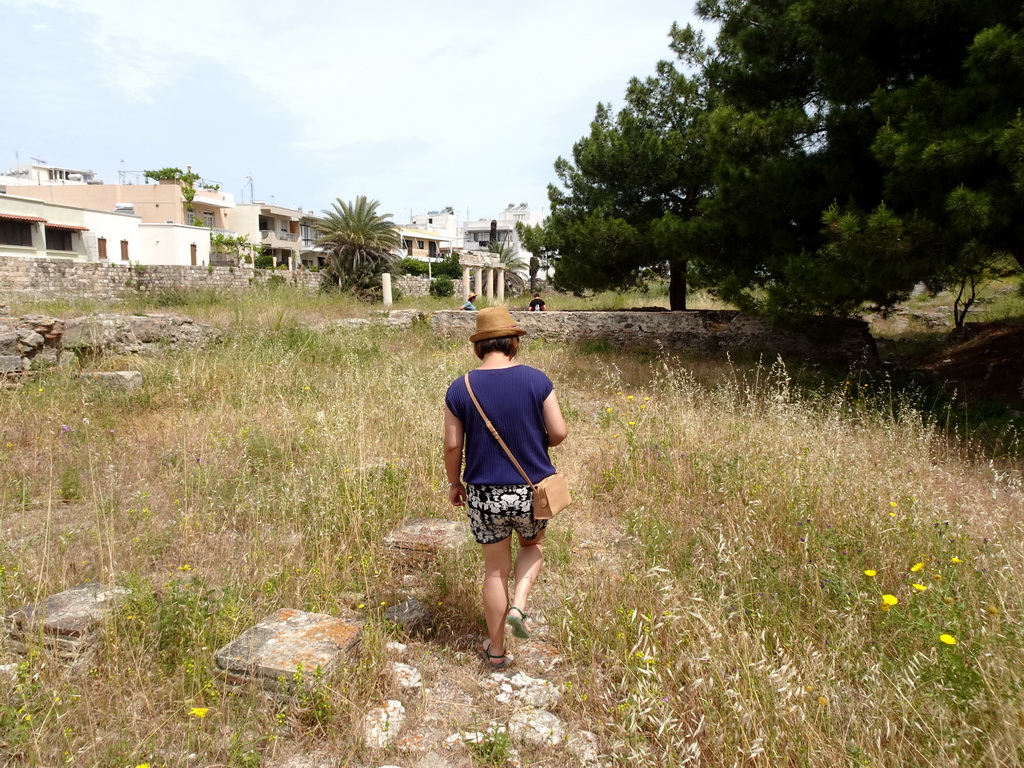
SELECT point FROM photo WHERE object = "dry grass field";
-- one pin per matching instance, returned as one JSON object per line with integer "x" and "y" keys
{"x": 751, "y": 573}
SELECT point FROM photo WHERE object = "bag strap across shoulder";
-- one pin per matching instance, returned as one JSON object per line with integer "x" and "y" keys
{"x": 494, "y": 432}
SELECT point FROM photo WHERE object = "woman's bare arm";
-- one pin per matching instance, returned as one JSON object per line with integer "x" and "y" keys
{"x": 453, "y": 440}
{"x": 554, "y": 421}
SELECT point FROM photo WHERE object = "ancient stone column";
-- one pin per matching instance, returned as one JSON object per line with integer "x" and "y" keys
{"x": 490, "y": 282}
{"x": 465, "y": 283}
{"x": 385, "y": 280}
{"x": 501, "y": 285}
{"x": 479, "y": 281}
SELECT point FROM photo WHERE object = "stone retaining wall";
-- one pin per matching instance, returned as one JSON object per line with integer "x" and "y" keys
{"x": 703, "y": 331}
{"x": 46, "y": 278}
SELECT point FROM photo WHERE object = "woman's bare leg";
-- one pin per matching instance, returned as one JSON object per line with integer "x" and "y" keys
{"x": 529, "y": 560}
{"x": 497, "y": 566}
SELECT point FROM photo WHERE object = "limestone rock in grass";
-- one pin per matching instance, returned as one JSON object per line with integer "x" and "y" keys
{"x": 12, "y": 364}
{"x": 125, "y": 380}
{"x": 383, "y": 724}
{"x": 276, "y": 650}
{"x": 423, "y": 538}
{"x": 583, "y": 744}
{"x": 421, "y": 739}
{"x": 411, "y": 615}
{"x": 134, "y": 334}
{"x": 537, "y": 653}
{"x": 8, "y": 674}
{"x": 431, "y": 760}
{"x": 69, "y": 622}
{"x": 522, "y": 689}
{"x": 536, "y": 726}
{"x": 407, "y": 676}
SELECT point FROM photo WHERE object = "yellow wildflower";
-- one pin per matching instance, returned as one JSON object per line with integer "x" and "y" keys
{"x": 822, "y": 701}
{"x": 916, "y": 567}
{"x": 199, "y": 712}
{"x": 870, "y": 573}
{"x": 920, "y": 587}
{"x": 890, "y": 599}
{"x": 955, "y": 559}
{"x": 629, "y": 397}
{"x": 892, "y": 504}
{"x": 948, "y": 639}
{"x": 992, "y": 609}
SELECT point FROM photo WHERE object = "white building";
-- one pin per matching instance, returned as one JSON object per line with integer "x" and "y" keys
{"x": 477, "y": 233}
{"x": 444, "y": 222}
{"x": 40, "y": 229}
{"x": 41, "y": 174}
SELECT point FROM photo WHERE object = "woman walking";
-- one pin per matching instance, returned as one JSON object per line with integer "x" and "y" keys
{"x": 520, "y": 402}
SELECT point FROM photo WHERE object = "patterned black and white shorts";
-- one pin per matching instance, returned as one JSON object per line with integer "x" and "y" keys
{"x": 494, "y": 511}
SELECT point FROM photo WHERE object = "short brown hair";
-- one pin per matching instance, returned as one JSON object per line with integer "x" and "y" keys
{"x": 507, "y": 345}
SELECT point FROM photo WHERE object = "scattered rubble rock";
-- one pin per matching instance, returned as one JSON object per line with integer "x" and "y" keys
{"x": 520, "y": 688}
{"x": 125, "y": 380}
{"x": 383, "y": 724}
{"x": 278, "y": 648}
{"x": 411, "y": 615}
{"x": 536, "y": 726}
{"x": 69, "y": 622}
{"x": 584, "y": 745}
{"x": 407, "y": 676}
{"x": 537, "y": 653}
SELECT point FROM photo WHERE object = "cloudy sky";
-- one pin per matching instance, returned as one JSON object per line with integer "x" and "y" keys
{"x": 419, "y": 105}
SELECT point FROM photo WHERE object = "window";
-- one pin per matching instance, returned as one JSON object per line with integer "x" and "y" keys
{"x": 192, "y": 249}
{"x": 58, "y": 240}
{"x": 419, "y": 244}
{"x": 208, "y": 219}
{"x": 101, "y": 244}
{"x": 124, "y": 250}
{"x": 15, "y": 232}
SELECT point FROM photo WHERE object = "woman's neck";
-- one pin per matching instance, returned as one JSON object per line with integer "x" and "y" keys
{"x": 497, "y": 360}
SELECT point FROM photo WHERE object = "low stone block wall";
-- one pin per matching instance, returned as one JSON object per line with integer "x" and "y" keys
{"x": 703, "y": 331}
{"x": 46, "y": 278}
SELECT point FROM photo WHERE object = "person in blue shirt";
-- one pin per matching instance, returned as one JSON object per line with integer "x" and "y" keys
{"x": 469, "y": 303}
{"x": 520, "y": 401}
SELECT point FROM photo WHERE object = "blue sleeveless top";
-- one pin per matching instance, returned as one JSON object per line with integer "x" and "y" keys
{"x": 513, "y": 400}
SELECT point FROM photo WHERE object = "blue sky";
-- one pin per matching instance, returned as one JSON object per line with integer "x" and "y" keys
{"x": 419, "y": 105}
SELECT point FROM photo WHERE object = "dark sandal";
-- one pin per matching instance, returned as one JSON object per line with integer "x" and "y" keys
{"x": 506, "y": 660}
{"x": 518, "y": 623}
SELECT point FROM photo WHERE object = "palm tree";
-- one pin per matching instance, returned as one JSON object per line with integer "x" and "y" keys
{"x": 361, "y": 242}
{"x": 512, "y": 263}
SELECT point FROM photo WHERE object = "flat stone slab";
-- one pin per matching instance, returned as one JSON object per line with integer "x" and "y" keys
{"x": 273, "y": 651}
{"x": 116, "y": 379}
{"x": 68, "y": 622}
{"x": 72, "y": 613}
{"x": 426, "y": 537}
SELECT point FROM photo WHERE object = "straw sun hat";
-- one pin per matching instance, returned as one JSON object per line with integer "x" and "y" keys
{"x": 495, "y": 322}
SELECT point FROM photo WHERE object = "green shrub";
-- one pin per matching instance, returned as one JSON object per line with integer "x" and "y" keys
{"x": 415, "y": 267}
{"x": 263, "y": 261}
{"x": 442, "y": 287}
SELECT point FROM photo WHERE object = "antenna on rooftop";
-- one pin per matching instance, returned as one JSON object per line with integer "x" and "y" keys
{"x": 251, "y": 187}
{"x": 38, "y": 160}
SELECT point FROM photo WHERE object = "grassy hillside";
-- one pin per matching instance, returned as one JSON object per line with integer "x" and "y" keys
{"x": 749, "y": 572}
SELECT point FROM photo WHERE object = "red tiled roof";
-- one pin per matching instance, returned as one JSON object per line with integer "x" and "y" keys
{"x": 15, "y": 217}
{"x": 72, "y": 227}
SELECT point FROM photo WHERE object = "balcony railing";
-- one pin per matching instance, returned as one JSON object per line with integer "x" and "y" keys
{"x": 265, "y": 234}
